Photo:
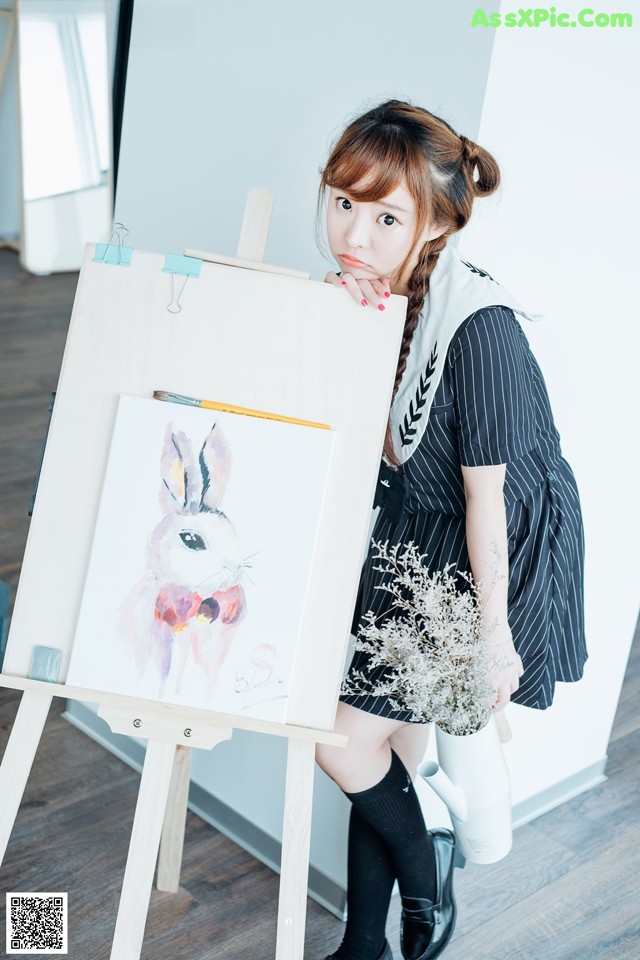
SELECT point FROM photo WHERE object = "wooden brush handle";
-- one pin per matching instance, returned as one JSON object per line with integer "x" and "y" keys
{"x": 504, "y": 730}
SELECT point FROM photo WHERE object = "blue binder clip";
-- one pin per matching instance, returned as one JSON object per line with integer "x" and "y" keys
{"x": 114, "y": 252}
{"x": 186, "y": 267}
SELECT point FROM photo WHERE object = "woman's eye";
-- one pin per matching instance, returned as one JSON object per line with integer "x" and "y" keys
{"x": 388, "y": 219}
{"x": 344, "y": 204}
{"x": 192, "y": 540}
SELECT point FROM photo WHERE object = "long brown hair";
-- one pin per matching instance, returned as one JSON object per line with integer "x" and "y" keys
{"x": 397, "y": 143}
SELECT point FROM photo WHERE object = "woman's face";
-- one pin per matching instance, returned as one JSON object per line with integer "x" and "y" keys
{"x": 371, "y": 240}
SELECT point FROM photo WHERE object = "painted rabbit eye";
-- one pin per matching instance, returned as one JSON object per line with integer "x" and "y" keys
{"x": 192, "y": 540}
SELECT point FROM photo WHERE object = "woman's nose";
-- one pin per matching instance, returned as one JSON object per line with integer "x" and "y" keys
{"x": 358, "y": 233}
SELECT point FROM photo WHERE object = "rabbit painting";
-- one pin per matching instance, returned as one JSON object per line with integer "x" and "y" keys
{"x": 200, "y": 561}
{"x": 190, "y": 603}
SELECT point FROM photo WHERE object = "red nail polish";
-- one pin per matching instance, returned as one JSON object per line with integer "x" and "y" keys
{"x": 387, "y": 294}
{"x": 343, "y": 282}
{"x": 381, "y": 306}
{"x": 363, "y": 302}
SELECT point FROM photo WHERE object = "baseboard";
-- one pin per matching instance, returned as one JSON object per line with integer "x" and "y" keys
{"x": 266, "y": 848}
{"x": 559, "y": 793}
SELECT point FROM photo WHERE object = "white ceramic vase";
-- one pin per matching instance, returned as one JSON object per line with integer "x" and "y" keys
{"x": 473, "y": 780}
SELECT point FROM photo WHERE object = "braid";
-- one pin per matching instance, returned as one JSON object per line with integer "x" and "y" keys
{"x": 418, "y": 288}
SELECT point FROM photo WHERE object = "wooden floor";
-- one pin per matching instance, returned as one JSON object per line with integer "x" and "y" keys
{"x": 568, "y": 891}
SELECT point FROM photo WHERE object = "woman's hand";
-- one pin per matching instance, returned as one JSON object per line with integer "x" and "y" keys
{"x": 365, "y": 292}
{"x": 506, "y": 667}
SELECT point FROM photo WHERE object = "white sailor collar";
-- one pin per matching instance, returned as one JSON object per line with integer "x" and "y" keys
{"x": 456, "y": 290}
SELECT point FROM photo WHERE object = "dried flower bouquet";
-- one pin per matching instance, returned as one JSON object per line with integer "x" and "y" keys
{"x": 434, "y": 651}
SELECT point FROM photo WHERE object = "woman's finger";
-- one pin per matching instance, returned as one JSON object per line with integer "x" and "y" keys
{"x": 502, "y": 698}
{"x": 368, "y": 293}
{"x": 360, "y": 290}
{"x": 348, "y": 282}
{"x": 508, "y": 683}
{"x": 382, "y": 288}
{"x": 373, "y": 293}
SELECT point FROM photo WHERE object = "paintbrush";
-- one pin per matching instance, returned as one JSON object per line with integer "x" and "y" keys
{"x": 230, "y": 408}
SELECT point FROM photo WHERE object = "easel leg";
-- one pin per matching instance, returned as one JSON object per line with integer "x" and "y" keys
{"x": 294, "y": 872}
{"x": 143, "y": 851}
{"x": 18, "y": 759}
{"x": 172, "y": 840}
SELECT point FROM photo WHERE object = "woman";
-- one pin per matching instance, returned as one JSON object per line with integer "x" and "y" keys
{"x": 472, "y": 474}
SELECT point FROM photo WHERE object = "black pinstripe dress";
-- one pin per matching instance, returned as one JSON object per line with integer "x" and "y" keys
{"x": 491, "y": 407}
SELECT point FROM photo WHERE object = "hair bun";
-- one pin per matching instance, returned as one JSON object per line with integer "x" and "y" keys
{"x": 469, "y": 148}
{"x": 477, "y": 158}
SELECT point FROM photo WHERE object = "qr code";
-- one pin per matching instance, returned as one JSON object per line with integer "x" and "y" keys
{"x": 36, "y": 923}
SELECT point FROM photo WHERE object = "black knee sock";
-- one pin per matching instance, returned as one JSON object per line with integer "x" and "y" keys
{"x": 370, "y": 879}
{"x": 392, "y": 808}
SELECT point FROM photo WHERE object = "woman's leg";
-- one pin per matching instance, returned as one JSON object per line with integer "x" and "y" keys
{"x": 376, "y": 781}
{"x": 370, "y": 870}
{"x": 410, "y": 743}
{"x": 366, "y": 758}
{"x": 370, "y": 879}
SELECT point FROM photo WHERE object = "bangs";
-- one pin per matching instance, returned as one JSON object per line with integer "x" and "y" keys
{"x": 369, "y": 163}
{"x": 367, "y": 167}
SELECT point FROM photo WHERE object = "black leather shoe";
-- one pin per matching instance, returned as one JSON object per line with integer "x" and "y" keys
{"x": 385, "y": 955}
{"x": 426, "y": 927}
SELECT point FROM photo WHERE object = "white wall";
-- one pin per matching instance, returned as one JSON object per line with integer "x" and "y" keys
{"x": 560, "y": 112}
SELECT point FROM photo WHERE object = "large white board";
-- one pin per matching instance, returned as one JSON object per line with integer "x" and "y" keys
{"x": 295, "y": 347}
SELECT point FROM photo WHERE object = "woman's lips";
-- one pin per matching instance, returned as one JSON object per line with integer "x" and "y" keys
{"x": 352, "y": 261}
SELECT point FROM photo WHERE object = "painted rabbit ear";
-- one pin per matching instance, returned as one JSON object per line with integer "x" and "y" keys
{"x": 215, "y": 464}
{"x": 180, "y": 475}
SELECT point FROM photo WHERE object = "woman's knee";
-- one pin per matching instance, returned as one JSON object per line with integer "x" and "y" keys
{"x": 365, "y": 758}
{"x": 410, "y": 743}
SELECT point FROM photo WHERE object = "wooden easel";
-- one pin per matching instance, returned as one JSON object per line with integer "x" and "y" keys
{"x": 171, "y": 731}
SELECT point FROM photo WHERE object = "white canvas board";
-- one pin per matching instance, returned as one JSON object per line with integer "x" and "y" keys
{"x": 201, "y": 558}
{"x": 252, "y": 339}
